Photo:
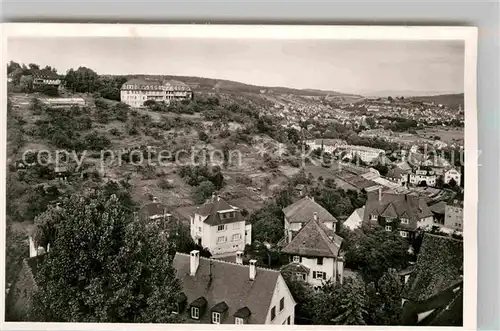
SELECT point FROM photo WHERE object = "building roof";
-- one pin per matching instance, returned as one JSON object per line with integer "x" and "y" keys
{"x": 439, "y": 265}
{"x": 404, "y": 165}
{"x": 409, "y": 206}
{"x": 303, "y": 210}
{"x": 396, "y": 173}
{"x": 220, "y": 281}
{"x": 357, "y": 181}
{"x": 45, "y": 73}
{"x": 355, "y": 219}
{"x": 154, "y": 209}
{"x": 438, "y": 208}
{"x": 313, "y": 239}
{"x": 211, "y": 211}
{"x": 296, "y": 267}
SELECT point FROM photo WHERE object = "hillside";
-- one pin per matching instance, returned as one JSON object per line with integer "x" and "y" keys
{"x": 450, "y": 100}
{"x": 222, "y": 85}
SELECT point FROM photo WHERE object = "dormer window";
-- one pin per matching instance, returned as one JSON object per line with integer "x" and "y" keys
{"x": 405, "y": 221}
{"x": 238, "y": 320}
{"x": 215, "y": 318}
{"x": 195, "y": 313}
{"x": 373, "y": 217}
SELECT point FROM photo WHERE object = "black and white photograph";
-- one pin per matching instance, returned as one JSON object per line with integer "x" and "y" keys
{"x": 324, "y": 176}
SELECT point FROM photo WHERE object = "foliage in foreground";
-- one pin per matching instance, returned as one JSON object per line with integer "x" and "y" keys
{"x": 104, "y": 267}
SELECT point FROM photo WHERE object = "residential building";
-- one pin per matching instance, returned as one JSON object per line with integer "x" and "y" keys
{"x": 366, "y": 154}
{"x": 314, "y": 254}
{"x": 221, "y": 292}
{"x": 156, "y": 212}
{"x": 454, "y": 215}
{"x": 328, "y": 145}
{"x": 453, "y": 174}
{"x": 220, "y": 227}
{"x": 348, "y": 180}
{"x": 46, "y": 77}
{"x": 404, "y": 213}
{"x": 355, "y": 220}
{"x": 438, "y": 209}
{"x": 302, "y": 211}
{"x": 423, "y": 176}
{"x": 433, "y": 292}
{"x": 398, "y": 175}
{"x": 136, "y": 91}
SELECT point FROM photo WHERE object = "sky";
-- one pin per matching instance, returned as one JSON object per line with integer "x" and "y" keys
{"x": 368, "y": 67}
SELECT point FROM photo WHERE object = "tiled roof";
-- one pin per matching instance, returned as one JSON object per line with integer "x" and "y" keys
{"x": 45, "y": 73}
{"x": 219, "y": 281}
{"x": 313, "y": 240}
{"x": 303, "y": 210}
{"x": 355, "y": 180}
{"x": 439, "y": 265}
{"x": 438, "y": 208}
{"x": 396, "y": 173}
{"x": 211, "y": 209}
{"x": 296, "y": 267}
{"x": 409, "y": 206}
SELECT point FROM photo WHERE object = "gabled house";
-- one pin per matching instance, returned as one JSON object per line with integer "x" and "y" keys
{"x": 302, "y": 211}
{"x": 423, "y": 175}
{"x": 433, "y": 292}
{"x": 156, "y": 212}
{"x": 453, "y": 174}
{"x": 220, "y": 227}
{"x": 398, "y": 175}
{"x": 398, "y": 212}
{"x": 355, "y": 220}
{"x": 46, "y": 77}
{"x": 454, "y": 215}
{"x": 221, "y": 292}
{"x": 314, "y": 254}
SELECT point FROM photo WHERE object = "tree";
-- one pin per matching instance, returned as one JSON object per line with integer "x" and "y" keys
{"x": 385, "y": 300}
{"x": 16, "y": 249}
{"x": 352, "y": 303}
{"x": 203, "y": 136}
{"x": 372, "y": 251}
{"x": 104, "y": 266}
{"x": 203, "y": 191}
{"x": 303, "y": 294}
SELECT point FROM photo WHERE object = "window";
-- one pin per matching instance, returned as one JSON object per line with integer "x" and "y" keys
{"x": 236, "y": 225}
{"x": 300, "y": 276}
{"x": 273, "y": 313}
{"x": 221, "y": 227}
{"x": 403, "y": 234}
{"x": 238, "y": 320}
{"x": 297, "y": 259}
{"x": 405, "y": 221}
{"x": 282, "y": 304}
{"x": 319, "y": 275}
{"x": 216, "y": 318}
{"x": 195, "y": 312}
{"x": 221, "y": 239}
{"x": 373, "y": 217}
{"x": 389, "y": 219}
{"x": 388, "y": 228}
{"x": 236, "y": 236}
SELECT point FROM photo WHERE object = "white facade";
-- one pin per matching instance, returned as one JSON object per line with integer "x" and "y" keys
{"x": 366, "y": 154}
{"x": 423, "y": 175}
{"x": 46, "y": 81}
{"x": 283, "y": 305}
{"x": 320, "y": 269}
{"x": 454, "y": 217}
{"x": 220, "y": 239}
{"x": 135, "y": 92}
{"x": 452, "y": 174}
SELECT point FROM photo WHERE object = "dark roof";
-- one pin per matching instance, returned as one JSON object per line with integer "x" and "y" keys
{"x": 355, "y": 180}
{"x": 303, "y": 210}
{"x": 438, "y": 208}
{"x": 313, "y": 240}
{"x": 220, "y": 307}
{"x": 296, "y": 267}
{"x": 199, "y": 302}
{"x": 409, "y": 206}
{"x": 243, "y": 313}
{"x": 219, "y": 281}
{"x": 45, "y": 73}
{"x": 181, "y": 297}
{"x": 439, "y": 265}
{"x": 211, "y": 209}
{"x": 396, "y": 173}
{"x": 153, "y": 209}
{"x": 142, "y": 83}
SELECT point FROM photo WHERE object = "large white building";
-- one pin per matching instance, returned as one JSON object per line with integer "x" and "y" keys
{"x": 366, "y": 154}
{"x": 220, "y": 227}
{"x": 423, "y": 175}
{"x": 137, "y": 91}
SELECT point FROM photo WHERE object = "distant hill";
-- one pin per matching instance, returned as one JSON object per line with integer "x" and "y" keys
{"x": 450, "y": 100}
{"x": 222, "y": 85}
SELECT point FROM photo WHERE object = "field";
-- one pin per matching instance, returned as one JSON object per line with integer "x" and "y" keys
{"x": 447, "y": 135}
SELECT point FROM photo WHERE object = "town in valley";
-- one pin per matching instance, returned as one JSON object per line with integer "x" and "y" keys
{"x": 157, "y": 198}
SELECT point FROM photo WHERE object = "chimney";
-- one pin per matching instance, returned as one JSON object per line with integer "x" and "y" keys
{"x": 218, "y": 198}
{"x": 33, "y": 251}
{"x": 315, "y": 216}
{"x": 194, "y": 262}
{"x": 253, "y": 270}
{"x": 380, "y": 193}
{"x": 239, "y": 257}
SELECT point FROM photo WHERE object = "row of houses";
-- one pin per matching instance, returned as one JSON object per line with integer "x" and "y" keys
{"x": 138, "y": 90}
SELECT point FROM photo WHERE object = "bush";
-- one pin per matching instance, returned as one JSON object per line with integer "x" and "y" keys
{"x": 115, "y": 132}
{"x": 164, "y": 184}
{"x": 48, "y": 90}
